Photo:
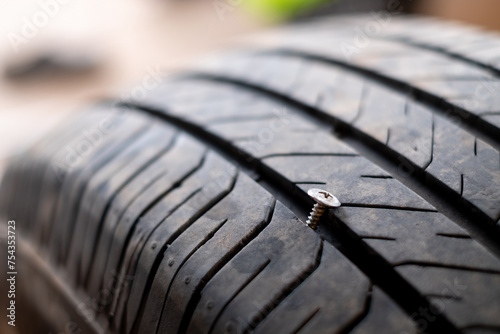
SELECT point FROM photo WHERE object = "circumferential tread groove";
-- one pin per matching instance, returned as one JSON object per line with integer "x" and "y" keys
{"x": 433, "y": 190}
{"x": 339, "y": 235}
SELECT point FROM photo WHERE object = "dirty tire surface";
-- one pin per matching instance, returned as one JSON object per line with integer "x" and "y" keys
{"x": 184, "y": 212}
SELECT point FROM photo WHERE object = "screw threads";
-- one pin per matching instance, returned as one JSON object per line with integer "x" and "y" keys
{"x": 315, "y": 215}
{"x": 324, "y": 200}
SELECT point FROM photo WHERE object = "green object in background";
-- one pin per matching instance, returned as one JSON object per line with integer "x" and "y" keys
{"x": 281, "y": 9}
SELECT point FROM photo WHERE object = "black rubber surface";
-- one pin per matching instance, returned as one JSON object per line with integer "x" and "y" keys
{"x": 185, "y": 212}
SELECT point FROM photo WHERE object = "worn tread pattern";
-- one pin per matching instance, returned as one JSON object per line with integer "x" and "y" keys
{"x": 187, "y": 216}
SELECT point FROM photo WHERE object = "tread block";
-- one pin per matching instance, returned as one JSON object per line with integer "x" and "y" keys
{"x": 177, "y": 211}
{"x": 458, "y": 292}
{"x": 385, "y": 317}
{"x": 126, "y": 130}
{"x": 159, "y": 139}
{"x": 91, "y": 140}
{"x": 343, "y": 176}
{"x": 100, "y": 188}
{"x": 184, "y": 158}
{"x": 295, "y": 142}
{"x": 340, "y": 292}
{"x": 258, "y": 275}
{"x": 410, "y": 236}
{"x": 471, "y": 168}
{"x": 245, "y": 219}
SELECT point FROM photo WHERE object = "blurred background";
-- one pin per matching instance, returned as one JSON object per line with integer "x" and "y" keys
{"x": 57, "y": 55}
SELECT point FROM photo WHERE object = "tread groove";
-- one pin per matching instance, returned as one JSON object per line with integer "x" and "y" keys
{"x": 376, "y": 176}
{"x": 457, "y": 236}
{"x": 306, "y": 321}
{"x": 432, "y": 143}
{"x": 440, "y": 265}
{"x": 376, "y": 206}
{"x": 308, "y": 155}
{"x": 377, "y": 238}
{"x": 364, "y": 93}
{"x": 461, "y": 184}
{"x": 309, "y": 182}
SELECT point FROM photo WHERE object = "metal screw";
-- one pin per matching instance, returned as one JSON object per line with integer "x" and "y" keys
{"x": 324, "y": 200}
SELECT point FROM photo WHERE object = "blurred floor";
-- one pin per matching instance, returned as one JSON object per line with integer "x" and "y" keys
{"x": 129, "y": 39}
{"x": 482, "y": 13}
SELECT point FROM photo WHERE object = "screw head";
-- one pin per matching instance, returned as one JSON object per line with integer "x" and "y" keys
{"x": 324, "y": 198}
